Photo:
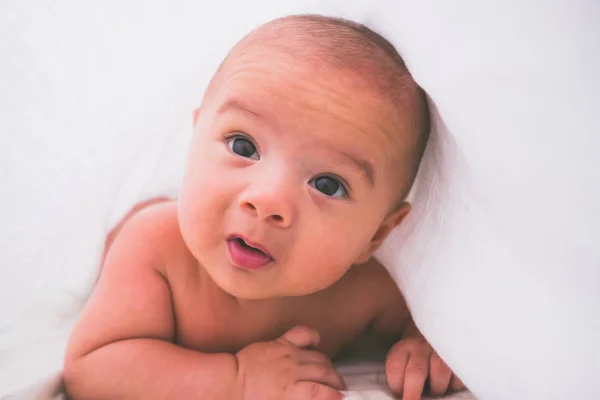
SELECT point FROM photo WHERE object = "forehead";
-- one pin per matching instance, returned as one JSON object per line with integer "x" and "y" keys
{"x": 313, "y": 102}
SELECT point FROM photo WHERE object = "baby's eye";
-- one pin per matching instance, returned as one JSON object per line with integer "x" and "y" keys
{"x": 243, "y": 147}
{"x": 329, "y": 186}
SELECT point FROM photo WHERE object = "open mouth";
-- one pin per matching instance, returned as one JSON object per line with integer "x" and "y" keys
{"x": 246, "y": 255}
{"x": 247, "y": 246}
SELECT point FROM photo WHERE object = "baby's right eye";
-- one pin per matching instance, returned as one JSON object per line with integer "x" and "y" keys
{"x": 242, "y": 146}
{"x": 329, "y": 186}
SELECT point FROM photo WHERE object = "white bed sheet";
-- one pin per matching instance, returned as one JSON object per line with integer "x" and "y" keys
{"x": 365, "y": 380}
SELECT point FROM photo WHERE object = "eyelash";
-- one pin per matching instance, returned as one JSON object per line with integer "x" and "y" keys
{"x": 345, "y": 186}
{"x": 240, "y": 135}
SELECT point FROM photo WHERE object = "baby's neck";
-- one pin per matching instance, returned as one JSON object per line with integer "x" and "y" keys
{"x": 272, "y": 307}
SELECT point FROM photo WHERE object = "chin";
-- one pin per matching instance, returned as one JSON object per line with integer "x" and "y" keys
{"x": 244, "y": 293}
{"x": 243, "y": 290}
{"x": 250, "y": 286}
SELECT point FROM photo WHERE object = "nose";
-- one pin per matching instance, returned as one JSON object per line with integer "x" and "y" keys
{"x": 271, "y": 201}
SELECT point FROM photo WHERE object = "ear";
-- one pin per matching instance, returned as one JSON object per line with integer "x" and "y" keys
{"x": 393, "y": 219}
{"x": 195, "y": 115}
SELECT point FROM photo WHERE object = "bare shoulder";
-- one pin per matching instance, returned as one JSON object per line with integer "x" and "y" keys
{"x": 131, "y": 284}
{"x": 365, "y": 302}
{"x": 371, "y": 277}
{"x": 389, "y": 311}
{"x": 158, "y": 221}
{"x": 154, "y": 234}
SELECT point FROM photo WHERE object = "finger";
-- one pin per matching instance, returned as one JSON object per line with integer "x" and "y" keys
{"x": 315, "y": 391}
{"x": 395, "y": 366}
{"x": 415, "y": 376}
{"x": 321, "y": 374}
{"x": 456, "y": 384}
{"x": 439, "y": 375}
{"x": 300, "y": 336}
{"x": 313, "y": 357}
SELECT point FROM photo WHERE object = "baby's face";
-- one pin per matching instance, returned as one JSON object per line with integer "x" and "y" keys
{"x": 294, "y": 160}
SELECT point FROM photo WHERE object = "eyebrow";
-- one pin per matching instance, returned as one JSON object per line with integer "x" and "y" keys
{"x": 236, "y": 105}
{"x": 363, "y": 165}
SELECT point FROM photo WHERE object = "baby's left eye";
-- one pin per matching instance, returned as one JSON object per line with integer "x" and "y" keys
{"x": 329, "y": 186}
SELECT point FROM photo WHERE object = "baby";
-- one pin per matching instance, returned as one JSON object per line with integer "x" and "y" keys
{"x": 305, "y": 146}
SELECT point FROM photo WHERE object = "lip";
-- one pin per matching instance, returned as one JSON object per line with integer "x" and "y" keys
{"x": 250, "y": 243}
{"x": 247, "y": 258}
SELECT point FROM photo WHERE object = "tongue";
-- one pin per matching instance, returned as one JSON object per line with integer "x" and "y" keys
{"x": 248, "y": 257}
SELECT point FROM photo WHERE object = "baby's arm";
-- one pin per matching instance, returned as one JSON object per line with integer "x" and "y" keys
{"x": 412, "y": 365}
{"x": 122, "y": 345}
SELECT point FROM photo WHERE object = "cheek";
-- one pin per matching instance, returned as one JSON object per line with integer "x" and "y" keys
{"x": 207, "y": 174}
{"x": 346, "y": 235}
{"x": 330, "y": 246}
{"x": 203, "y": 200}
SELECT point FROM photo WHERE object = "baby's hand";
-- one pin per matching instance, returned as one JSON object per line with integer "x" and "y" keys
{"x": 284, "y": 370}
{"x": 411, "y": 364}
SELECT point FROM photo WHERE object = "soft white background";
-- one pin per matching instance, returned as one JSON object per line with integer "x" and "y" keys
{"x": 499, "y": 262}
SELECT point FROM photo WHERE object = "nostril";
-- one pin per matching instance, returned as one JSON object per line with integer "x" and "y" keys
{"x": 249, "y": 205}
{"x": 277, "y": 218}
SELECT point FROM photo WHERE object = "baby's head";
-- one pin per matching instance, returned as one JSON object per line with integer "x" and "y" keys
{"x": 307, "y": 141}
